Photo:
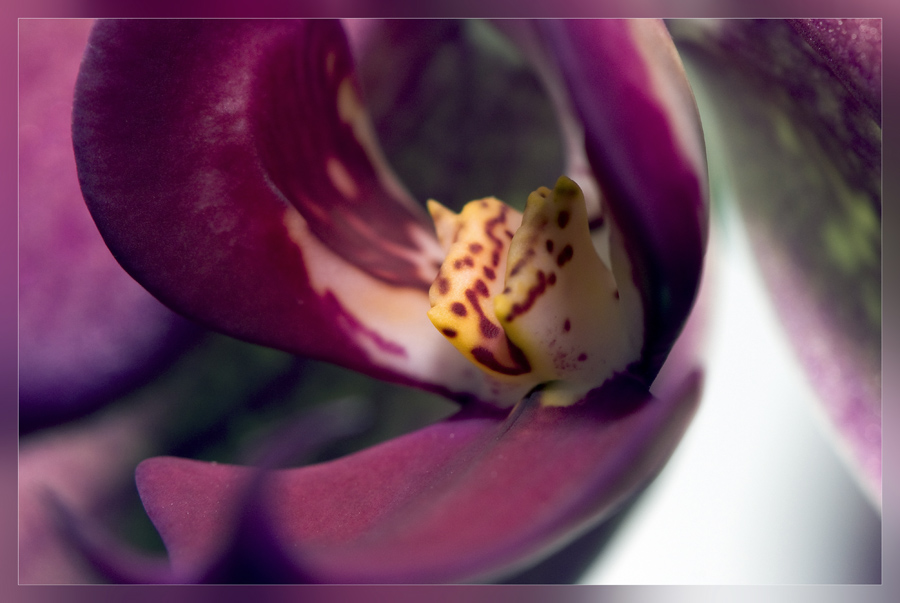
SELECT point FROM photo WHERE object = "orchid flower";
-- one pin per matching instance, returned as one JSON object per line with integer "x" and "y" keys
{"x": 233, "y": 171}
{"x": 205, "y": 149}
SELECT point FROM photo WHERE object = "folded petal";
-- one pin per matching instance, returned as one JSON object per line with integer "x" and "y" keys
{"x": 644, "y": 145}
{"x": 87, "y": 331}
{"x": 474, "y": 497}
{"x": 231, "y": 168}
{"x": 803, "y": 156}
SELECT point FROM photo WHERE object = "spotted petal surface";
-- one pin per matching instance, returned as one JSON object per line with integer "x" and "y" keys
{"x": 643, "y": 143}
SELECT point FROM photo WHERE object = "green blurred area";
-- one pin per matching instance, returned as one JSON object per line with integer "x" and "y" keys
{"x": 459, "y": 113}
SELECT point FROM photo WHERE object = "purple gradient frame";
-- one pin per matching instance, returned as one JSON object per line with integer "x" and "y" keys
{"x": 8, "y": 271}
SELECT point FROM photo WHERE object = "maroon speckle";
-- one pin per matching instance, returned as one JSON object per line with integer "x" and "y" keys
{"x": 533, "y": 294}
{"x": 489, "y": 273}
{"x": 488, "y": 329}
{"x": 495, "y": 257}
{"x": 509, "y": 234}
{"x": 466, "y": 261}
{"x": 549, "y": 246}
{"x": 616, "y": 293}
{"x": 482, "y": 289}
{"x": 565, "y": 255}
{"x": 552, "y": 278}
{"x": 582, "y": 357}
{"x": 449, "y": 332}
{"x": 562, "y": 219}
{"x": 567, "y": 326}
{"x": 458, "y": 309}
{"x": 443, "y": 285}
{"x": 486, "y": 357}
{"x": 475, "y": 247}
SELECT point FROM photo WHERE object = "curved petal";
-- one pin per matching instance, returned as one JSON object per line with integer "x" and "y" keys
{"x": 644, "y": 145}
{"x": 803, "y": 155}
{"x": 471, "y": 498}
{"x": 231, "y": 168}
{"x": 87, "y": 331}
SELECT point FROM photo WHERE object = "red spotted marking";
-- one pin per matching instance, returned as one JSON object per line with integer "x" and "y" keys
{"x": 488, "y": 329}
{"x": 533, "y": 294}
{"x": 487, "y": 358}
{"x": 564, "y": 256}
{"x": 466, "y": 261}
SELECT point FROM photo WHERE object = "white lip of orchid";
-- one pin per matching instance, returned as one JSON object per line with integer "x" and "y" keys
{"x": 527, "y": 299}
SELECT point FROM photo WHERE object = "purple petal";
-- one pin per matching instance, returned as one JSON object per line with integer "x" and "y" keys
{"x": 230, "y": 167}
{"x": 644, "y": 145}
{"x": 852, "y": 50}
{"x": 471, "y": 498}
{"x": 87, "y": 331}
{"x": 803, "y": 154}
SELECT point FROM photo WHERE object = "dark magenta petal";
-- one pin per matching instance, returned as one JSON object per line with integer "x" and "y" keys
{"x": 471, "y": 498}
{"x": 644, "y": 146}
{"x": 87, "y": 331}
{"x": 230, "y": 168}
{"x": 803, "y": 154}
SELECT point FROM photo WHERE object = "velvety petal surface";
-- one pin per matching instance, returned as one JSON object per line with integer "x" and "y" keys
{"x": 471, "y": 498}
{"x": 803, "y": 155}
{"x": 87, "y": 331}
{"x": 231, "y": 168}
{"x": 851, "y": 48}
{"x": 644, "y": 145}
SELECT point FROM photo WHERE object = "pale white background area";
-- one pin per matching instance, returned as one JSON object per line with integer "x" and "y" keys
{"x": 755, "y": 493}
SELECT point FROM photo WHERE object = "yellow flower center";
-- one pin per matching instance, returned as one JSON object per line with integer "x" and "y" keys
{"x": 527, "y": 298}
